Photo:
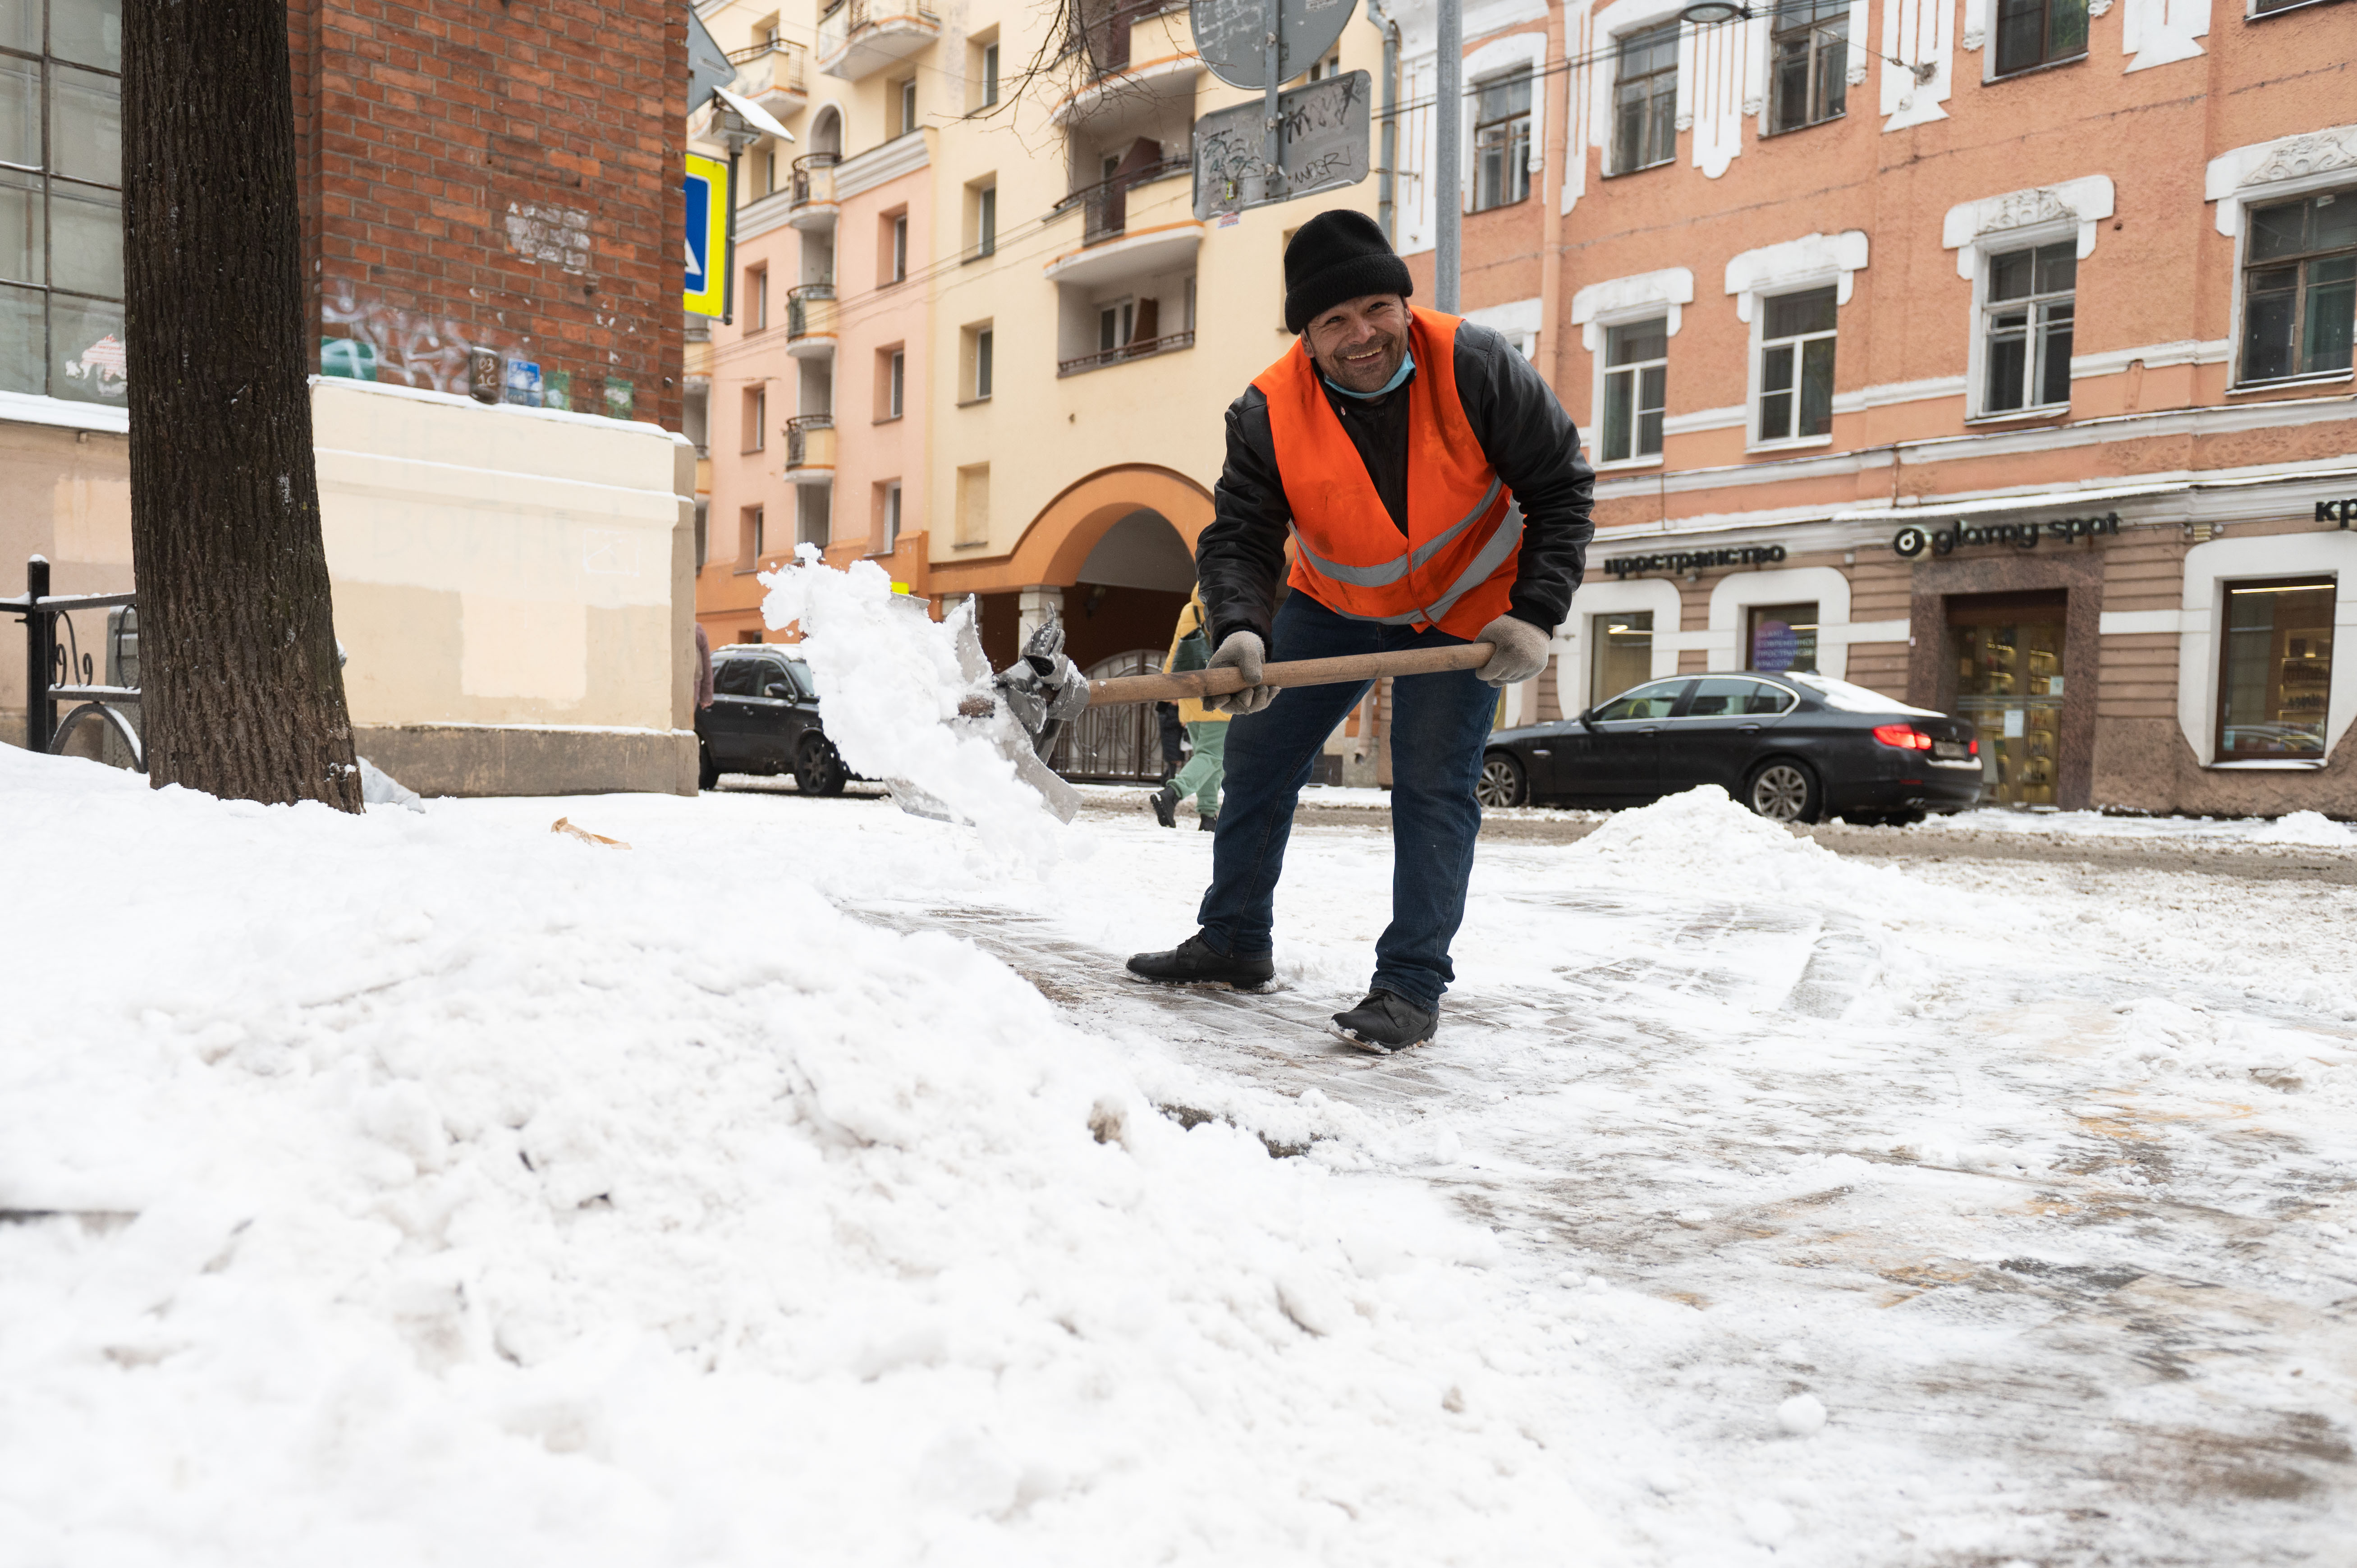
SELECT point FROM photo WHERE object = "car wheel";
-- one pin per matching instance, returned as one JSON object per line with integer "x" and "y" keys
{"x": 818, "y": 770}
{"x": 707, "y": 772}
{"x": 1783, "y": 791}
{"x": 1502, "y": 782}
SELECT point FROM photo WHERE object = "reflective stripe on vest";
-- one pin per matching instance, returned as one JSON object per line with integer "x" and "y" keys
{"x": 1463, "y": 529}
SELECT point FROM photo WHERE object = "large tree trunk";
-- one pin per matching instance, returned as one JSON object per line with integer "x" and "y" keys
{"x": 242, "y": 696}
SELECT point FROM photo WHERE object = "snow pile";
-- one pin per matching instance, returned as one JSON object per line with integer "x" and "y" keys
{"x": 439, "y": 1189}
{"x": 2307, "y": 828}
{"x": 890, "y": 681}
{"x": 1701, "y": 841}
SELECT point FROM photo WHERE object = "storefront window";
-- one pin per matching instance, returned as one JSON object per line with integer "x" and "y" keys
{"x": 1782, "y": 637}
{"x": 61, "y": 199}
{"x": 1620, "y": 654}
{"x": 2276, "y": 670}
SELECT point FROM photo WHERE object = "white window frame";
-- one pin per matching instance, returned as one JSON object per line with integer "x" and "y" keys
{"x": 1616, "y": 302}
{"x": 1733, "y": 596}
{"x": 892, "y": 539}
{"x": 1681, "y": 97}
{"x": 985, "y": 362}
{"x": 2209, "y": 568}
{"x": 896, "y": 396}
{"x": 2261, "y": 174}
{"x": 1753, "y": 440}
{"x": 1791, "y": 267}
{"x": 1575, "y": 640}
{"x": 1985, "y": 246}
{"x": 1124, "y": 312}
{"x": 989, "y": 74}
{"x": 1602, "y": 371}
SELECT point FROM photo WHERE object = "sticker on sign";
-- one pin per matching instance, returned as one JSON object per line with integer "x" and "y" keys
{"x": 1324, "y": 128}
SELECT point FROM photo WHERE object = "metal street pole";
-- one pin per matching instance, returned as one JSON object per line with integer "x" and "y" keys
{"x": 1273, "y": 162}
{"x": 1449, "y": 153}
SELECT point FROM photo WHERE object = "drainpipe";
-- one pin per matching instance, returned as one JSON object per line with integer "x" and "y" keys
{"x": 1387, "y": 171}
{"x": 1553, "y": 171}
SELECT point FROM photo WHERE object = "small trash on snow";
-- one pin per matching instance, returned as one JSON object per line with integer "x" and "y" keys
{"x": 379, "y": 788}
{"x": 1802, "y": 1416}
{"x": 565, "y": 825}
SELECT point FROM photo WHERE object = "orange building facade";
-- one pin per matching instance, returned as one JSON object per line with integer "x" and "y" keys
{"x": 1992, "y": 356}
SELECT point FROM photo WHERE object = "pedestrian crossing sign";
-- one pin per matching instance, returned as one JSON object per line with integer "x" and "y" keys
{"x": 706, "y": 289}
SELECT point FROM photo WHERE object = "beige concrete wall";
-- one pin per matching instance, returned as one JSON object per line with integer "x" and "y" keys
{"x": 512, "y": 586}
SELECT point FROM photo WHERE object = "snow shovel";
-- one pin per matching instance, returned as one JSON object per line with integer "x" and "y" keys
{"x": 1042, "y": 692}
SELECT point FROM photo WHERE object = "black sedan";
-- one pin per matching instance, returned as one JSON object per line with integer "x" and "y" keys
{"x": 764, "y": 719}
{"x": 1793, "y": 748}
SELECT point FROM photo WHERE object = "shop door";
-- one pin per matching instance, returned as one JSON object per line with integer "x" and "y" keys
{"x": 2009, "y": 682}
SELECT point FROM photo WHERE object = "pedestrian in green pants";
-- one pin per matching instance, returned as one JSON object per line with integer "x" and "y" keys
{"x": 1207, "y": 728}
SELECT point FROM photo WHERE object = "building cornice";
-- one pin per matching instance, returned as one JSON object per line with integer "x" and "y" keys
{"x": 901, "y": 155}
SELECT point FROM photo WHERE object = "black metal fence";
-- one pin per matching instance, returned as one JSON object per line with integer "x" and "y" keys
{"x": 57, "y": 670}
{"x": 1114, "y": 744}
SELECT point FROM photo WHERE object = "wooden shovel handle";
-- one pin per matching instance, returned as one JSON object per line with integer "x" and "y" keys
{"x": 1200, "y": 683}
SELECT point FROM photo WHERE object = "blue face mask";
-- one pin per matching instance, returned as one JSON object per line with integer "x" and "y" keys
{"x": 1399, "y": 379}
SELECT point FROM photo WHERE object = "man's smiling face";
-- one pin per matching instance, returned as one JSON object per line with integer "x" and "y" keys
{"x": 1359, "y": 344}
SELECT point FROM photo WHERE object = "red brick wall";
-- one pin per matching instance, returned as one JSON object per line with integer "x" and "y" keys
{"x": 498, "y": 174}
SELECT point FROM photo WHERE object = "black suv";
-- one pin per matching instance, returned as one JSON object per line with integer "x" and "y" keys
{"x": 764, "y": 719}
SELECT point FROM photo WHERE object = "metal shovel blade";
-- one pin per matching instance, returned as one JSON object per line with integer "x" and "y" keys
{"x": 1020, "y": 713}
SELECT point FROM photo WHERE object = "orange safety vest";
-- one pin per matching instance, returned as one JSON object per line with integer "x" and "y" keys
{"x": 1455, "y": 567}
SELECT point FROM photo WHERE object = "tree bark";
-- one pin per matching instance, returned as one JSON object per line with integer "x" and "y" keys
{"x": 242, "y": 696}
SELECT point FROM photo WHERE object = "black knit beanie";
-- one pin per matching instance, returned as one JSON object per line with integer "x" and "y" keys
{"x": 1337, "y": 256}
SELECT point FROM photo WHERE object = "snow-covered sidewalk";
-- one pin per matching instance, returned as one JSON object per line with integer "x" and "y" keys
{"x": 801, "y": 1181}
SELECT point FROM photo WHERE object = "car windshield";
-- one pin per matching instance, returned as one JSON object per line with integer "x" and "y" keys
{"x": 1653, "y": 701}
{"x": 1845, "y": 698}
{"x": 800, "y": 673}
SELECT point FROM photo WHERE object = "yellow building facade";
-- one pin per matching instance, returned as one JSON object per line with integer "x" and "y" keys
{"x": 1005, "y": 373}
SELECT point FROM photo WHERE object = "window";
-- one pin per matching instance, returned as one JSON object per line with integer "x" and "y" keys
{"x": 1620, "y": 654}
{"x": 985, "y": 220}
{"x": 1501, "y": 142}
{"x": 889, "y": 519}
{"x": 2274, "y": 670}
{"x": 1330, "y": 66}
{"x": 982, "y": 345}
{"x": 769, "y": 172}
{"x": 1727, "y": 697}
{"x": 1781, "y": 637}
{"x": 757, "y": 418}
{"x": 2028, "y": 328}
{"x": 750, "y": 538}
{"x": 1796, "y": 366}
{"x": 734, "y": 677}
{"x": 2039, "y": 32}
{"x": 1809, "y": 63}
{"x": 989, "y": 75}
{"x": 908, "y": 98}
{"x": 757, "y": 299}
{"x": 1636, "y": 381}
{"x": 900, "y": 248}
{"x": 896, "y": 383}
{"x": 61, "y": 206}
{"x": 1653, "y": 701}
{"x": 2299, "y": 282}
{"x": 811, "y": 509}
{"x": 1645, "y": 100}
{"x": 973, "y": 504}
{"x": 1114, "y": 323}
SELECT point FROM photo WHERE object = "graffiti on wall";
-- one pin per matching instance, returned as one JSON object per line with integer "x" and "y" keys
{"x": 382, "y": 342}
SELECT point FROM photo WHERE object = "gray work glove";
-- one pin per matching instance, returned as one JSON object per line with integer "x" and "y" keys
{"x": 1241, "y": 650}
{"x": 1518, "y": 651}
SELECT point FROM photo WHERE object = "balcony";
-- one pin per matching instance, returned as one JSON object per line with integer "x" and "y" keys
{"x": 810, "y": 450}
{"x": 809, "y": 321}
{"x": 1128, "y": 89}
{"x": 1139, "y": 349}
{"x": 856, "y": 38}
{"x": 770, "y": 74}
{"x": 811, "y": 203}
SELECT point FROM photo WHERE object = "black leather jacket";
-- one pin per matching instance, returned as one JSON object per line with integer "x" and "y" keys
{"x": 1523, "y": 432}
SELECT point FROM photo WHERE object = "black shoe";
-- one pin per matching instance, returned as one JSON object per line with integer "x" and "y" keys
{"x": 1165, "y": 802}
{"x": 1193, "y": 961}
{"x": 1208, "y": 824}
{"x": 1385, "y": 1023}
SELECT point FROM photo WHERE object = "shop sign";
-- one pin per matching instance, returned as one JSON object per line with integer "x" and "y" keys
{"x": 2342, "y": 511}
{"x": 1696, "y": 559}
{"x": 1911, "y": 541}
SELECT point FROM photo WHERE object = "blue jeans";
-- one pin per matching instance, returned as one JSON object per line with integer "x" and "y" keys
{"x": 1439, "y": 725}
